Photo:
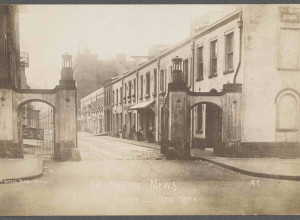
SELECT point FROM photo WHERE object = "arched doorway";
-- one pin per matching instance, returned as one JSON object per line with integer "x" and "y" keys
{"x": 206, "y": 126}
{"x": 36, "y": 129}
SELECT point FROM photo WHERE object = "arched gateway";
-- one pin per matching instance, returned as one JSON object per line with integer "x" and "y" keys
{"x": 62, "y": 99}
{"x": 222, "y": 117}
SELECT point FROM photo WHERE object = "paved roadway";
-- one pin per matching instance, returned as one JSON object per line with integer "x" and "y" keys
{"x": 116, "y": 178}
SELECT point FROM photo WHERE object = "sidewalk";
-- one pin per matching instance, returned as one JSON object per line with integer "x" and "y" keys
{"x": 138, "y": 143}
{"x": 19, "y": 169}
{"x": 287, "y": 169}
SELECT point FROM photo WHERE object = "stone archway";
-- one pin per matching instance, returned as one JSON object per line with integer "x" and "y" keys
{"x": 176, "y": 118}
{"x": 62, "y": 99}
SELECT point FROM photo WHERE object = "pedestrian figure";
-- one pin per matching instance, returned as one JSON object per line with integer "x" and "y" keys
{"x": 124, "y": 132}
{"x": 150, "y": 136}
{"x": 140, "y": 136}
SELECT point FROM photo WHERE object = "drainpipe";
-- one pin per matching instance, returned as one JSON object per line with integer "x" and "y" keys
{"x": 240, "y": 26}
{"x": 137, "y": 100}
{"x": 193, "y": 64}
{"x": 122, "y": 106}
{"x": 191, "y": 111}
{"x": 158, "y": 123}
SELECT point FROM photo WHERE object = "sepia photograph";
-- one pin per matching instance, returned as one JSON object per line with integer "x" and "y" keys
{"x": 149, "y": 109}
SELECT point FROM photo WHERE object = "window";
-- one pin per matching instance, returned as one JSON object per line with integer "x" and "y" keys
{"x": 229, "y": 53}
{"x": 147, "y": 84}
{"x": 200, "y": 119}
{"x": 287, "y": 113}
{"x": 200, "y": 63}
{"x": 155, "y": 82}
{"x": 185, "y": 70}
{"x": 213, "y": 58}
{"x": 189, "y": 77}
{"x": 129, "y": 90}
{"x": 113, "y": 97}
{"x": 134, "y": 85}
{"x": 125, "y": 92}
{"x": 288, "y": 57}
{"x": 170, "y": 74}
{"x": 117, "y": 97}
{"x": 5, "y": 53}
{"x": 162, "y": 81}
{"x": 141, "y": 92}
{"x": 121, "y": 94}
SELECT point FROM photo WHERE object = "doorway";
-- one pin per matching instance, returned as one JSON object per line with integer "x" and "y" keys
{"x": 207, "y": 126}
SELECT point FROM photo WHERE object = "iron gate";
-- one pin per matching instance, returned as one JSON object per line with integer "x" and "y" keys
{"x": 38, "y": 131}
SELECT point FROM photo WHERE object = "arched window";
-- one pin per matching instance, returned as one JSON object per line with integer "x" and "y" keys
{"x": 287, "y": 112}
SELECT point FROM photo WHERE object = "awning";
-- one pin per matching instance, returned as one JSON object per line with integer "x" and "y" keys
{"x": 143, "y": 105}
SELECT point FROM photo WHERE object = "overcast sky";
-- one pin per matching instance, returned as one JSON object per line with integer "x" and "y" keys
{"x": 48, "y": 31}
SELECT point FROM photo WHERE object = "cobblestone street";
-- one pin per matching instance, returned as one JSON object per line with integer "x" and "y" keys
{"x": 116, "y": 178}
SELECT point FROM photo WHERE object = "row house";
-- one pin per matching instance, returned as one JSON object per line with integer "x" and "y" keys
{"x": 241, "y": 83}
{"x": 108, "y": 106}
{"x": 91, "y": 113}
{"x": 129, "y": 99}
{"x": 143, "y": 91}
{"x": 117, "y": 107}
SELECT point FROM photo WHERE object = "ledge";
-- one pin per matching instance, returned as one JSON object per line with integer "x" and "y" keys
{"x": 288, "y": 69}
{"x": 199, "y": 79}
{"x": 213, "y": 75}
{"x": 228, "y": 71}
{"x": 286, "y": 130}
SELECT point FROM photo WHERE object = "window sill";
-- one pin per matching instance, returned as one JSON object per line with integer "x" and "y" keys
{"x": 199, "y": 79}
{"x": 162, "y": 92}
{"x": 288, "y": 69}
{"x": 228, "y": 71}
{"x": 213, "y": 75}
{"x": 286, "y": 130}
{"x": 199, "y": 132}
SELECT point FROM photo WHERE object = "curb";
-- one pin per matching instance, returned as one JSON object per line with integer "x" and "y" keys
{"x": 250, "y": 173}
{"x": 16, "y": 180}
